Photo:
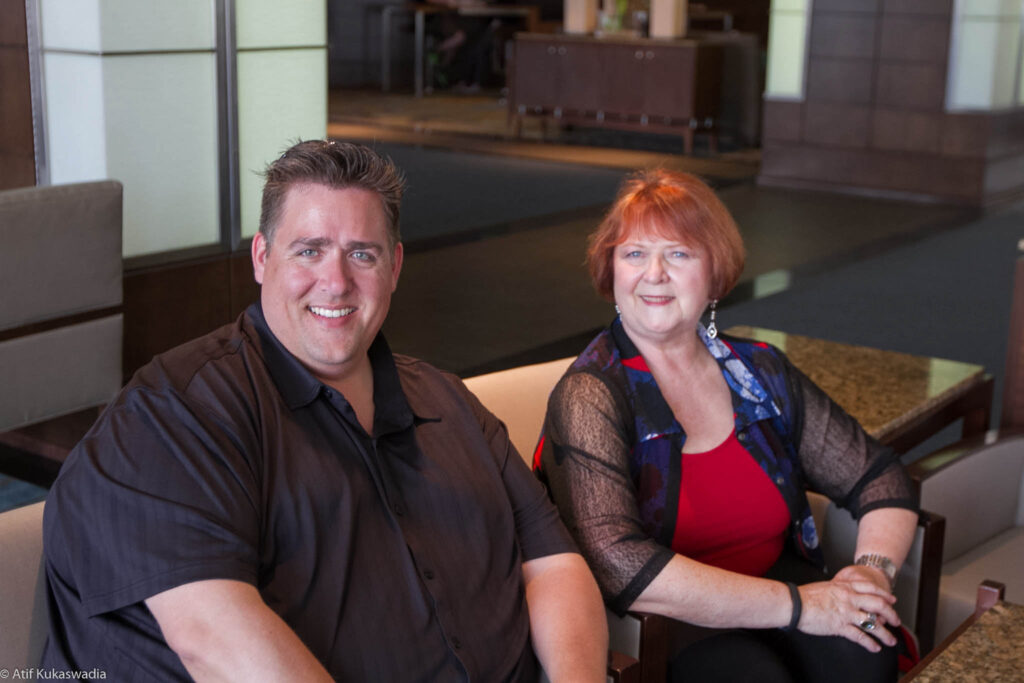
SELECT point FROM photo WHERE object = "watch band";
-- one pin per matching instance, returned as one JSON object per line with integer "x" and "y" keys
{"x": 879, "y": 562}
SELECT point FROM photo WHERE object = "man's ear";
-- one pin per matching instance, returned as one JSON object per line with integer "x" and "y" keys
{"x": 396, "y": 265}
{"x": 259, "y": 255}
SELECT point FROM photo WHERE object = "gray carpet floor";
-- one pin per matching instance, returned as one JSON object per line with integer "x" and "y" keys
{"x": 449, "y": 192}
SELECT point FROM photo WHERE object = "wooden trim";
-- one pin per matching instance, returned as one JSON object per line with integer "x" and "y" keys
{"x": 623, "y": 668}
{"x": 57, "y": 323}
{"x": 974, "y": 406}
{"x": 934, "y": 527}
{"x": 1013, "y": 381}
{"x": 654, "y": 642}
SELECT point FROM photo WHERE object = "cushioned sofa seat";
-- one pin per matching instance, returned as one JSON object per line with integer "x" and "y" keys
{"x": 61, "y": 322}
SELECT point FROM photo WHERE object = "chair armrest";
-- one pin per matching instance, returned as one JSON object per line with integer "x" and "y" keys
{"x": 955, "y": 454}
{"x": 622, "y": 668}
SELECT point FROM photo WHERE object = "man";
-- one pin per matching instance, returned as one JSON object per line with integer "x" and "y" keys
{"x": 285, "y": 500}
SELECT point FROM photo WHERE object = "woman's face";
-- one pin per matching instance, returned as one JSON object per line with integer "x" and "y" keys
{"x": 661, "y": 287}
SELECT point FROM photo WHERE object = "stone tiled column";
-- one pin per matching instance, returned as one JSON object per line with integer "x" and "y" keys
{"x": 903, "y": 98}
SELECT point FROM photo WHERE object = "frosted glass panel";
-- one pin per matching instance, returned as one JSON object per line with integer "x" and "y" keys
{"x": 272, "y": 23}
{"x": 989, "y": 8}
{"x": 790, "y": 5}
{"x": 1020, "y": 101}
{"x": 127, "y": 25}
{"x": 986, "y": 65}
{"x": 162, "y": 144}
{"x": 787, "y": 46}
{"x": 70, "y": 24}
{"x": 74, "y": 112}
{"x": 157, "y": 25}
{"x": 282, "y": 98}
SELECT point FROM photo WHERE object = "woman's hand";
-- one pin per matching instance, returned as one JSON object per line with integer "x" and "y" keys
{"x": 836, "y": 607}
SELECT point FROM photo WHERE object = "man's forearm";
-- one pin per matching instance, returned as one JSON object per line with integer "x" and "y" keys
{"x": 567, "y": 619}
{"x": 223, "y": 631}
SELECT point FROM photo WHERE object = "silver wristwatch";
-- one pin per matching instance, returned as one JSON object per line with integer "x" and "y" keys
{"x": 879, "y": 562}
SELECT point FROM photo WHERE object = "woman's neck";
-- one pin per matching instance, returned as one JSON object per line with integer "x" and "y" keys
{"x": 680, "y": 355}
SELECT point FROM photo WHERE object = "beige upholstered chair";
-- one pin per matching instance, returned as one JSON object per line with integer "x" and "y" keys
{"x": 979, "y": 488}
{"x": 61, "y": 322}
{"x": 23, "y": 617}
{"x": 519, "y": 397}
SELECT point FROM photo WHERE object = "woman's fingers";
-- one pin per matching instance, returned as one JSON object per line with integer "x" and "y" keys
{"x": 882, "y": 608}
{"x": 837, "y": 608}
{"x": 851, "y": 632}
{"x": 873, "y": 625}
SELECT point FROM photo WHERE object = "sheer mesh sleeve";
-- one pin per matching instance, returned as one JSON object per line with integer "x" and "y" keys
{"x": 586, "y": 463}
{"x": 840, "y": 459}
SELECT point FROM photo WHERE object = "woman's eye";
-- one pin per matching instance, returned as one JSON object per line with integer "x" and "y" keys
{"x": 680, "y": 254}
{"x": 634, "y": 254}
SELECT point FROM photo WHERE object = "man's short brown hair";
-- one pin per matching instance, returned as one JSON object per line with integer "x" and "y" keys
{"x": 338, "y": 165}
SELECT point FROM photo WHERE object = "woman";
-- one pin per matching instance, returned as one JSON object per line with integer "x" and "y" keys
{"x": 680, "y": 460}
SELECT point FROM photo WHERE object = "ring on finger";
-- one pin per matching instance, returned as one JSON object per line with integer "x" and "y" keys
{"x": 869, "y": 622}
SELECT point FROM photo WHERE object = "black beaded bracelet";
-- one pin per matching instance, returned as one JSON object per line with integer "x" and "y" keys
{"x": 798, "y": 607}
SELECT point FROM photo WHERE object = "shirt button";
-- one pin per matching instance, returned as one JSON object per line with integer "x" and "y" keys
{"x": 742, "y": 436}
{"x": 456, "y": 643}
{"x": 780, "y": 481}
{"x": 399, "y": 509}
{"x": 428, "y": 575}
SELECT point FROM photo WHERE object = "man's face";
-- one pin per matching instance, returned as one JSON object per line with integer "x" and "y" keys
{"x": 328, "y": 277}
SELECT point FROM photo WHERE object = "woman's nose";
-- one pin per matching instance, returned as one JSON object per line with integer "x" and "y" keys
{"x": 655, "y": 270}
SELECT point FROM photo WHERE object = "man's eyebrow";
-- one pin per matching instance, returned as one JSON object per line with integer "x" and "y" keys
{"x": 316, "y": 242}
{"x": 364, "y": 246}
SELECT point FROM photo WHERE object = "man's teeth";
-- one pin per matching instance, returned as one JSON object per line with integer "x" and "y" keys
{"x": 331, "y": 312}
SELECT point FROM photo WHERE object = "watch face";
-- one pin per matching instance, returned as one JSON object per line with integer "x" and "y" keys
{"x": 879, "y": 562}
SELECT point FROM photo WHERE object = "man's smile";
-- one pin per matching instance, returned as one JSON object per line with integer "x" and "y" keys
{"x": 331, "y": 312}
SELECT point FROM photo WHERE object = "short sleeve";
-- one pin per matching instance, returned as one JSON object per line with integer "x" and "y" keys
{"x": 157, "y": 495}
{"x": 585, "y": 462}
{"x": 539, "y": 529}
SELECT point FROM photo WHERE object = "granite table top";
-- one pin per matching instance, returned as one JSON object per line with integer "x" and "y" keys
{"x": 883, "y": 390}
{"x": 990, "y": 649}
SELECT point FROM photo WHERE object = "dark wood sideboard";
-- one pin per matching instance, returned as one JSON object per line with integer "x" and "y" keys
{"x": 661, "y": 86}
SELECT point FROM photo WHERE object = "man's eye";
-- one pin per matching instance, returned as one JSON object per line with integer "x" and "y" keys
{"x": 364, "y": 256}
{"x": 308, "y": 253}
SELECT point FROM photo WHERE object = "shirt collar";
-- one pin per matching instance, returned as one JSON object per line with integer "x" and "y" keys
{"x": 751, "y": 402}
{"x": 299, "y": 387}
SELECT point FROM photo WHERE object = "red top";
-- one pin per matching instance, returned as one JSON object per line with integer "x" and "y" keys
{"x": 731, "y": 515}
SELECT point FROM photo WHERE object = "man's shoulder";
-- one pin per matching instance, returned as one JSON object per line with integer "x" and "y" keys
{"x": 416, "y": 373}
{"x": 213, "y": 370}
{"x": 432, "y": 391}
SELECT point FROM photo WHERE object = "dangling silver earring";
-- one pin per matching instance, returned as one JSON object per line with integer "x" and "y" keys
{"x": 617, "y": 311}
{"x": 712, "y": 328}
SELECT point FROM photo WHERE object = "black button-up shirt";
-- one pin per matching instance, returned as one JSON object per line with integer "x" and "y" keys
{"x": 394, "y": 556}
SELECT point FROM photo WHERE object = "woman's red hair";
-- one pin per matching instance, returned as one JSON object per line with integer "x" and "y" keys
{"x": 672, "y": 205}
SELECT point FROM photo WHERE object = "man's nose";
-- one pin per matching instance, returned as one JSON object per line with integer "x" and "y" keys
{"x": 335, "y": 275}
